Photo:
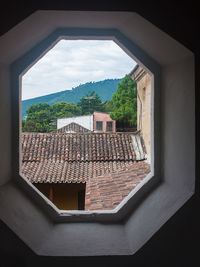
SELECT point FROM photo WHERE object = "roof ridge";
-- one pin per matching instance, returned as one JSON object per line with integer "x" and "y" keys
{"x": 79, "y": 133}
{"x": 83, "y": 129}
{"x": 81, "y": 147}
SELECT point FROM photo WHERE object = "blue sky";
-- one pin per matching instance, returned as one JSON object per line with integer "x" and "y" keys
{"x": 73, "y": 62}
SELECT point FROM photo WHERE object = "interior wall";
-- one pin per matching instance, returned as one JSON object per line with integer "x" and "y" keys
{"x": 65, "y": 196}
{"x": 174, "y": 89}
{"x": 63, "y": 239}
{"x": 174, "y": 244}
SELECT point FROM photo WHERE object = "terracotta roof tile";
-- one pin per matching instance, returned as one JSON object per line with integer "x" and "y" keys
{"x": 70, "y": 158}
{"x": 78, "y": 147}
{"x": 70, "y": 172}
{"x": 108, "y": 190}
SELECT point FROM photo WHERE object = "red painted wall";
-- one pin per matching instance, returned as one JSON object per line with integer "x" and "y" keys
{"x": 104, "y": 117}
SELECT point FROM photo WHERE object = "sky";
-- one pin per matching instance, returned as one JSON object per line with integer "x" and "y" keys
{"x": 73, "y": 62}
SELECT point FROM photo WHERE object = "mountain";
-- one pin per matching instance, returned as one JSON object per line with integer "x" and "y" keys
{"x": 104, "y": 89}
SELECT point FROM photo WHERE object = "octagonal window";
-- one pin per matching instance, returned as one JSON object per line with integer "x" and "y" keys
{"x": 86, "y": 124}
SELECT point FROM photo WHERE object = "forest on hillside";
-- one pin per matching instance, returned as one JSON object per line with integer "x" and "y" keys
{"x": 104, "y": 89}
{"x": 41, "y": 117}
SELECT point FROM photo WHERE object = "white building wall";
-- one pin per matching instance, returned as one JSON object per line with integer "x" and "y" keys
{"x": 85, "y": 121}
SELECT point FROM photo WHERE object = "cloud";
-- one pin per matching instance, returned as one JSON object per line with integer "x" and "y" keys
{"x": 71, "y": 62}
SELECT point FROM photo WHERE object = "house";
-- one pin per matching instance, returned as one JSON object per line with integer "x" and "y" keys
{"x": 96, "y": 122}
{"x": 143, "y": 80}
{"x": 72, "y": 128}
{"x": 86, "y": 170}
{"x": 103, "y": 122}
{"x": 86, "y": 121}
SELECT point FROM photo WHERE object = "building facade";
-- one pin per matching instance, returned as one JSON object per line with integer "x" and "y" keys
{"x": 85, "y": 121}
{"x": 96, "y": 122}
{"x": 143, "y": 80}
{"x": 103, "y": 122}
{"x": 87, "y": 170}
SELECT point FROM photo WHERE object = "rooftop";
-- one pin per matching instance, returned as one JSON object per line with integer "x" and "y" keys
{"x": 69, "y": 158}
{"x": 75, "y": 127}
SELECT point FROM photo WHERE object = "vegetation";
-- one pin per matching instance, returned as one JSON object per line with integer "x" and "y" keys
{"x": 125, "y": 102}
{"x": 89, "y": 103}
{"x": 107, "y": 106}
{"x": 104, "y": 89}
{"x": 41, "y": 117}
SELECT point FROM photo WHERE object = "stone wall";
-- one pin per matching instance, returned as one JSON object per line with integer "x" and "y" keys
{"x": 143, "y": 80}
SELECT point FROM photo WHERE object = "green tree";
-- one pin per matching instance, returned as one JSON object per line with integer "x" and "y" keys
{"x": 89, "y": 103}
{"x": 107, "y": 106}
{"x": 125, "y": 102}
{"x": 41, "y": 117}
{"x": 32, "y": 126}
{"x": 63, "y": 110}
{"x": 37, "y": 108}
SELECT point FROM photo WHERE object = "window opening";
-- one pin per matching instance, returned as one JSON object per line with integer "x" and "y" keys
{"x": 81, "y": 200}
{"x": 86, "y": 124}
{"x": 99, "y": 125}
{"x": 109, "y": 126}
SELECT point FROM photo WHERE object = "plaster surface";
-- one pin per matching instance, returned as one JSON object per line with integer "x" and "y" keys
{"x": 85, "y": 121}
{"x": 124, "y": 230}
